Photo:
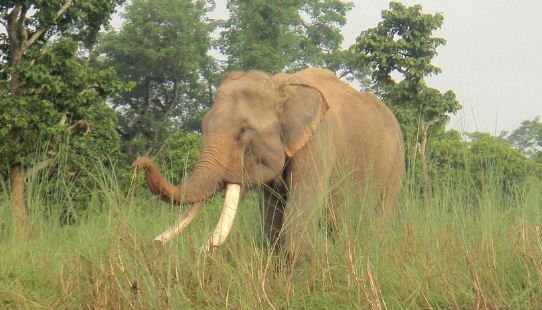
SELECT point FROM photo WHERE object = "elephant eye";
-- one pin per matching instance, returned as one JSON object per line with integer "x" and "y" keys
{"x": 242, "y": 131}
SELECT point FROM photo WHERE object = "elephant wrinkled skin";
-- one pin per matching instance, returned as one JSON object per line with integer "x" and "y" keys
{"x": 291, "y": 133}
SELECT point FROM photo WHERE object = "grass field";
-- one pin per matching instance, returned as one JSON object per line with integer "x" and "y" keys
{"x": 465, "y": 248}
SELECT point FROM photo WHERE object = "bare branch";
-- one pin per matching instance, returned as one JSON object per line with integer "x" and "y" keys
{"x": 63, "y": 119}
{"x": 39, "y": 166}
{"x": 82, "y": 124}
{"x": 15, "y": 12}
{"x": 11, "y": 27}
{"x": 20, "y": 22}
{"x": 39, "y": 32}
{"x": 92, "y": 87}
{"x": 345, "y": 73}
{"x": 34, "y": 38}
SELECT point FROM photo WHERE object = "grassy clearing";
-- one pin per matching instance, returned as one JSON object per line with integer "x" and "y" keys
{"x": 463, "y": 249}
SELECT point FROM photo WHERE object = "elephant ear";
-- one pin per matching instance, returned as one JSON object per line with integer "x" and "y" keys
{"x": 302, "y": 108}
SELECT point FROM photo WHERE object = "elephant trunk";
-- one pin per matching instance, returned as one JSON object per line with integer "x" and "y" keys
{"x": 202, "y": 184}
{"x": 207, "y": 178}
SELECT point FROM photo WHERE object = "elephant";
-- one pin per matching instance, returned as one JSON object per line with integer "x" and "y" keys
{"x": 290, "y": 133}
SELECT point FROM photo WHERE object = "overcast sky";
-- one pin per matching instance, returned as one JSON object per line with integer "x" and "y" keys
{"x": 492, "y": 59}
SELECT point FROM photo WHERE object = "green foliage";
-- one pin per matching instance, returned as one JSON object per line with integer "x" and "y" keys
{"x": 61, "y": 95}
{"x": 527, "y": 138}
{"x": 53, "y": 117}
{"x": 162, "y": 48}
{"x": 496, "y": 156}
{"x": 283, "y": 35}
{"x": 447, "y": 152}
{"x": 64, "y": 126}
{"x": 402, "y": 42}
{"x": 70, "y": 175}
{"x": 79, "y": 20}
{"x": 485, "y": 159}
{"x": 399, "y": 52}
{"x": 179, "y": 154}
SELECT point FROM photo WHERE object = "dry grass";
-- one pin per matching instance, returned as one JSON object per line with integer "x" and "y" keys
{"x": 462, "y": 249}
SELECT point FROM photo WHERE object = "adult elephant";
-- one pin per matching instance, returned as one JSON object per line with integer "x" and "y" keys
{"x": 290, "y": 132}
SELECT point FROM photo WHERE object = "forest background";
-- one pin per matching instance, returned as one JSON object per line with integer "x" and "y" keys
{"x": 80, "y": 100}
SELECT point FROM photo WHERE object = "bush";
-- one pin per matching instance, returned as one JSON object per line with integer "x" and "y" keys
{"x": 482, "y": 160}
{"x": 179, "y": 154}
{"x": 73, "y": 168}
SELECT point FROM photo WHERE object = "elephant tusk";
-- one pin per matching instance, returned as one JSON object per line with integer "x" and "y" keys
{"x": 179, "y": 225}
{"x": 226, "y": 218}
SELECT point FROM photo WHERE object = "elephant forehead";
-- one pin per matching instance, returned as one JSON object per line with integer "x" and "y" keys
{"x": 245, "y": 90}
{"x": 231, "y": 115}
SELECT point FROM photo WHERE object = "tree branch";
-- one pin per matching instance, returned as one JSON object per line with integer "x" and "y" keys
{"x": 82, "y": 123}
{"x": 168, "y": 104}
{"x": 11, "y": 27}
{"x": 92, "y": 87}
{"x": 39, "y": 166}
{"x": 39, "y": 32}
{"x": 20, "y": 23}
{"x": 345, "y": 73}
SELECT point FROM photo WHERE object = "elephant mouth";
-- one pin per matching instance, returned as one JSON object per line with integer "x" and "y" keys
{"x": 230, "y": 180}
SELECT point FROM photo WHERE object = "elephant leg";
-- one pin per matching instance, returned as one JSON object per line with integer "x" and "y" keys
{"x": 273, "y": 213}
{"x": 335, "y": 207}
{"x": 307, "y": 179}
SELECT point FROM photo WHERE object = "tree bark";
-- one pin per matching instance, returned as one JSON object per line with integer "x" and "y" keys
{"x": 16, "y": 34}
{"x": 147, "y": 95}
{"x": 18, "y": 204}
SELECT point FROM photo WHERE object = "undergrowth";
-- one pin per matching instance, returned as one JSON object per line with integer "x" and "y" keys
{"x": 465, "y": 247}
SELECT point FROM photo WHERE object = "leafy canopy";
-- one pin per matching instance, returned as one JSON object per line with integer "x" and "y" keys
{"x": 527, "y": 138}
{"x": 162, "y": 47}
{"x": 59, "y": 93}
{"x": 399, "y": 52}
{"x": 52, "y": 103}
{"x": 56, "y": 87}
{"x": 283, "y": 35}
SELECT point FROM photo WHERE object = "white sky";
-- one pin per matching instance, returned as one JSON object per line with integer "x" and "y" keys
{"x": 492, "y": 59}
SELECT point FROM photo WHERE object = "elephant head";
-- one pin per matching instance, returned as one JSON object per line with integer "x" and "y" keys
{"x": 254, "y": 124}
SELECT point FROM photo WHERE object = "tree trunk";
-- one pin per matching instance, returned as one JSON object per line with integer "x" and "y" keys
{"x": 18, "y": 205}
{"x": 19, "y": 40}
{"x": 148, "y": 95}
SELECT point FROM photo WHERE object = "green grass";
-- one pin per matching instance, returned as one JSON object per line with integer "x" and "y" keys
{"x": 464, "y": 248}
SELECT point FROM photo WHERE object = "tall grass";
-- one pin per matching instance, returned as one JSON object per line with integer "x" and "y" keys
{"x": 464, "y": 248}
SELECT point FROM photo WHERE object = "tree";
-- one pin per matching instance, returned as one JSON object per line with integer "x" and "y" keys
{"x": 399, "y": 51}
{"x": 283, "y": 35}
{"x": 447, "y": 152}
{"x": 46, "y": 88}
{"x": 491, "y": 157}
{"x": 162, "y": 47}
{"x": 527, "y": 138}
